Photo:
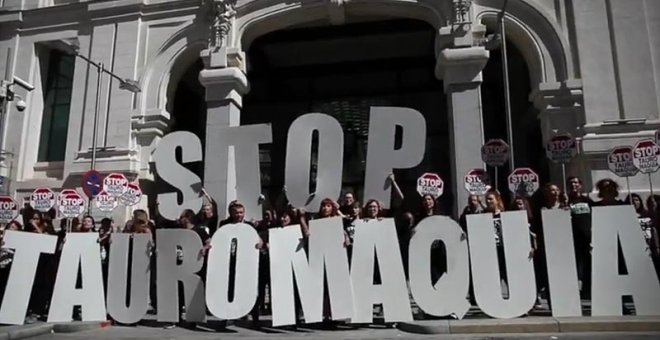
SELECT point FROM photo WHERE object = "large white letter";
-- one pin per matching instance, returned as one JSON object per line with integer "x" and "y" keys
{"x": 610, "y": 224}
{"x": 298, "y": 159}
{"x": 246, "y": 273}
{"x": 245, "y": 142}
{"x": 326, "y": 255}
{"x": 83, "y": 249}
{"x": 118, "y": 274}
{"x": 485, "y": 267}
{"x": 28, "y": 247}
{"x": 378, "y": 236}
{"x": 382, "y": 156}
{"x": 176, "y": 174}
{"x": 169, "y": 273}
{"x": 447, "y": 296}
{"x": 560, "y": 256}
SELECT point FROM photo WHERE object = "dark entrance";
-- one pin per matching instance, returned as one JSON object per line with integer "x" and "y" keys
{"x": 343, "y": 71}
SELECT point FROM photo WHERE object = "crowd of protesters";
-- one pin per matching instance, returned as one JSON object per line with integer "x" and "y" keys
{"x": 206, "y": 223}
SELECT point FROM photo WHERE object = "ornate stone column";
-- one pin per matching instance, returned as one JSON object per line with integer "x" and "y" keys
{"x": 561, "y": 110}
{"x": 459, "y": 67}
{"x": 460, "y": 70}
{"x": 225, "y": 81}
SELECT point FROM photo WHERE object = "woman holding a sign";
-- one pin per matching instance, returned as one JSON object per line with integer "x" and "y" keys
{"x": 45, "y": 273}
{"x": 495, "y": 206}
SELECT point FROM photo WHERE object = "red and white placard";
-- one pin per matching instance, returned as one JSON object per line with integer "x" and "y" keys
{"x": 523, "y": 181}
{"x": 115, "y": 184}
{"x": 71, "y": 205}
{"x": 620, "y": 161}
{"x": 132, "y": 196}
{"x": 477, "y": 182}
{"x": 561, "y": 148}
{"x": 646, "y": 156}
{"x": 8, "y": 209}
{"x": 430, "y": 184}
{"x": 495, "y": 152}
{"x": 42, "y": 199}
{"x": 105, "y": 202}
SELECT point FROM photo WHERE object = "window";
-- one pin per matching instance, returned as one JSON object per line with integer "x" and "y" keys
{"x": 57, "y": 102}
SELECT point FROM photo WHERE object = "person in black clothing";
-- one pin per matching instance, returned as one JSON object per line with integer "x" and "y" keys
{"x": 580, "y": 206}
{"x": 608, "y": 191}
{"x": 105, "y": 231}
{"x": 208, "y": 216}
{"x": 6, "y": 256}
{"x": 474, "y": 206}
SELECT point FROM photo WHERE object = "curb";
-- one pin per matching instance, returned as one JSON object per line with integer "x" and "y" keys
{"x": 27, "y": 332}
{"x": 73, "y": 327}
{"x": 534, "y": 325}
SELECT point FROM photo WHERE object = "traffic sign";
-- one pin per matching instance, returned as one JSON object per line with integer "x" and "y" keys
{"x": 132, "y": 195}
{"x": 645, "y": 156}
{"x": 92, "y": 183}
{"x": 65, "y": 192}
{"x": 477, "y": 182}
{"x": 8, "y": 209}
{"x": 561, "y": 148}
{"x": 115, "y": 184}
{"x": 42, "y": 199}
{"x": 523, "y": 181}
{"x": 620, "y": 161}
{"x": 71, "y": 205}
{"x": 105, "y": 202}
{"x": 430, "y": 184}
{"x": 495, "y": 152}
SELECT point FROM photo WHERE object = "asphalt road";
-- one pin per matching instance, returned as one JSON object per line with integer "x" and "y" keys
{"x": 373, "y": 332}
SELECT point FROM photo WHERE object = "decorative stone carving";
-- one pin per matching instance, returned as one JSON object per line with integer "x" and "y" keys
{"x": 461, "y": 12}
{"x": 221, "y": 16}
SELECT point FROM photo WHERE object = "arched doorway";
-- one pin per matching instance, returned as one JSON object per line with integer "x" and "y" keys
{"x": 343, "y": 71}
{"x": 528, "y": 145}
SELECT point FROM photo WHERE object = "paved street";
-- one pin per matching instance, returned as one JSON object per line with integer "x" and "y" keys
{"x": 235, "y": 332}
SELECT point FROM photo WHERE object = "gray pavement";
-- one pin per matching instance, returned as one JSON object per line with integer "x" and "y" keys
{"x": 236, "y": 332}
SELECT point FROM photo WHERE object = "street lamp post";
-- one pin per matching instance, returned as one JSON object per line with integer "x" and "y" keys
{"x": 507, "y": 95}
{"x": 71, "y": 46}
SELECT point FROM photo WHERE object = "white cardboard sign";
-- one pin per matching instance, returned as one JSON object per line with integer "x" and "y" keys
{"x": 477, "y": 182}
{"x": 620, "y": 161}
{"x": 42, "y": 199}
{"x": 646, "y": 156}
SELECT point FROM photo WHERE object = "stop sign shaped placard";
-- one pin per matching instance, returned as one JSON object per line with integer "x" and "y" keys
{"x": 105, "y": 202}
{"x": 561, "y": 148}
{"x": 646, "y": 155}
{"x": 115, "y": 184}
{"x": 132, "y": 196}
{"x": 523, "y": 181}
{"x": 71, "y": 204}
{"x": 430, "y": 184}
{"x": 495, "y": 152}
{"x": 477, "y": 182}
{"x": 620, "y": 161}
{"x": 8, "y": 209}
{"x": 42, "y": 199}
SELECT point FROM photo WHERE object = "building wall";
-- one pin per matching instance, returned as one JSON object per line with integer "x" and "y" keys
{"x": 592, "y": 63}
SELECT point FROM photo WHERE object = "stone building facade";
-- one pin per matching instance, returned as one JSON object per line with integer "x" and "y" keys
{"x": 592, "y": 69}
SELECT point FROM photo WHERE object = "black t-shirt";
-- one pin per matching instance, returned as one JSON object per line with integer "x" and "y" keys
{"x": 201, "y": 231}
{"x": 580, "y": 207}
